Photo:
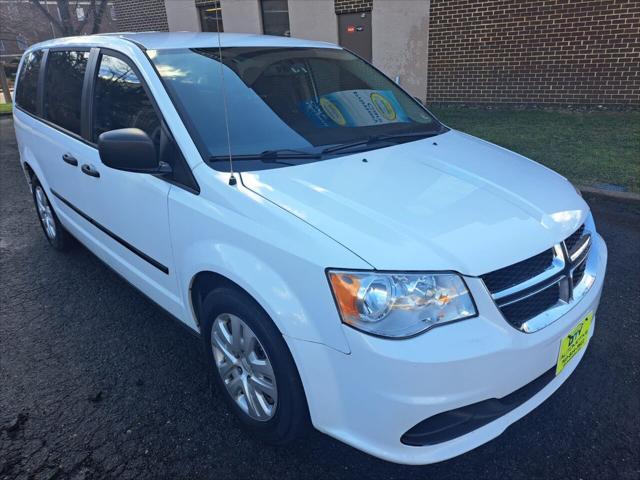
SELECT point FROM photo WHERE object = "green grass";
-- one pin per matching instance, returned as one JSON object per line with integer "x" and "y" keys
{"x": 5, "y": 108}
{"x": 584, "y": 147}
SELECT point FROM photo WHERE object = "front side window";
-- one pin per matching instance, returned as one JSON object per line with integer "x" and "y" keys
{"x": 303, "y": 99}
{"x": 275, "y": 17}
{"x": 63, "y": 81}
{"x": 27, "y": 93}
{"x": 120, "y": 100}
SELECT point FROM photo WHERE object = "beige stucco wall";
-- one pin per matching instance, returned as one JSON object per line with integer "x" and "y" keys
{"x": 241, "y": 16}
{"x": 313, "y": 20}
{"x": 400, "y": 30}
{"x": 400, "y": 41}
{"x": 182, "y": 16}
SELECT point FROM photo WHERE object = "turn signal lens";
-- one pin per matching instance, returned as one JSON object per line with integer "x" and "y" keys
{"x": 345, "y": 289}
{"x": 400, "y": 305}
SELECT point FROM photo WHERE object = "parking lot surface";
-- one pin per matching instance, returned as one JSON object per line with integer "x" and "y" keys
{"x": 97, "y": 382}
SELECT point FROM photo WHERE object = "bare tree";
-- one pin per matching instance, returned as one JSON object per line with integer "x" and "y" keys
{"x": 65, "y": 23}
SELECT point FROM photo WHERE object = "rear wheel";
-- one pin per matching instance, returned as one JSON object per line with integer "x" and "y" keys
{"x": 56, "y": 234}
{"x": 252, "y": 366}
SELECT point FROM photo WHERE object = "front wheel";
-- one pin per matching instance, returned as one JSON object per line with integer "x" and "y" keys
{"x": 252, "y": 366}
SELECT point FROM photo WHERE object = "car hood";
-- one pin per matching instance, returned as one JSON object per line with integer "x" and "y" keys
{"x": 451, "y": 202}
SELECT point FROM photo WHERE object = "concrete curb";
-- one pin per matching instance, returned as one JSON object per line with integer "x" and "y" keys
{"x": 609, "y": 193}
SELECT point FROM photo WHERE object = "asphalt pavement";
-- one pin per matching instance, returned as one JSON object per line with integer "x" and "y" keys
{"x": 98, "y": 382}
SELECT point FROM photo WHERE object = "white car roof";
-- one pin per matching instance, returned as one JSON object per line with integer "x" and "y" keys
{"x": 168, "y": 40}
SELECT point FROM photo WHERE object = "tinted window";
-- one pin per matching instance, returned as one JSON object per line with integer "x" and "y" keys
{"x": 121, "y": 102}
{"x": 64, "y": 76}
{"x": 27, "y": 94}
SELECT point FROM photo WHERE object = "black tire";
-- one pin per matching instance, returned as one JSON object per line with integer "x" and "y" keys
{"x": 291, "y": 418}
{"x": 61, "y": 240}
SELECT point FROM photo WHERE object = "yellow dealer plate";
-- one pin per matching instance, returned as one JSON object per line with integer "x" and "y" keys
{"x": 575, "y": 341}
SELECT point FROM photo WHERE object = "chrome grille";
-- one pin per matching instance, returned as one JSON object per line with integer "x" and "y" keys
{"x": 528, "y": 289}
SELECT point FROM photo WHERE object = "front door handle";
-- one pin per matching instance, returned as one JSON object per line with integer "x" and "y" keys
{"x": 90, "y": 170}
{"x": 70, "y": 159}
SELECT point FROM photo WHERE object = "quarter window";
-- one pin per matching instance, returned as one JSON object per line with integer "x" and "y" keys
{"x": 120, "y": 101}
{"x": 27, "y": 93}
{"x": 63, "y": 81}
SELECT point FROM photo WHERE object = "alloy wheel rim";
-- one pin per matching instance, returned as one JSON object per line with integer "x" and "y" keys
{"x": 45, "y": 213}
{"x": 244, "y": 367}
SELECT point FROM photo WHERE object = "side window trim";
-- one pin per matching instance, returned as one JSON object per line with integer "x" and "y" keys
{"x": 40, "y": 89}
{"x": 86, "y": 106}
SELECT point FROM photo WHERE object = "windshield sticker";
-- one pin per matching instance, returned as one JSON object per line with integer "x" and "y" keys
{"x": 355, "y": 108}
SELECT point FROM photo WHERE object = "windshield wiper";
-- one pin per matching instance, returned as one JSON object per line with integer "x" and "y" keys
{"x": 390, "y": 137}
{"x": 273, "y": 156}
{"x": 269, "y": 155}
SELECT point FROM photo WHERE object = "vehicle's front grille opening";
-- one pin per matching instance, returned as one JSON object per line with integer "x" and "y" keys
{"x": 573, "y": 241}
{"x": 528, "y": 288}
{"x": 519, "y": 312}
{"x": 578, "y": 273}
{"x": 517, "y": 273}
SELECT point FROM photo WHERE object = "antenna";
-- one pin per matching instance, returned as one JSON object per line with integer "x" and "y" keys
{"x": 232, "y": 178}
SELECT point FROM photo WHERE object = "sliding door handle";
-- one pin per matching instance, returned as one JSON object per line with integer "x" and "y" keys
{"x": 70, "y": 159}
{"x": 90, "y": 170}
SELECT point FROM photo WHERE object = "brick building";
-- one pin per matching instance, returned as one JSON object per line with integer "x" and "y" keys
{"x": 557, "y": 52}
{"x": 536, "y": 52}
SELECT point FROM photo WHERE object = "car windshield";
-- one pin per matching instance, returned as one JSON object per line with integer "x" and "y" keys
{"x": 302, "y": 104}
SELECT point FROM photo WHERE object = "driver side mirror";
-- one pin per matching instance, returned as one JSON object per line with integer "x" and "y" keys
{"x": 131, "y": 150}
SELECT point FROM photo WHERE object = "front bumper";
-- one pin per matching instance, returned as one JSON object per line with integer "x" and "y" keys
{"x": 383, "y": 388}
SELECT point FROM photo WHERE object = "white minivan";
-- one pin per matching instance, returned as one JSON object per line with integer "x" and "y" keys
{"x": 349, "y": 261}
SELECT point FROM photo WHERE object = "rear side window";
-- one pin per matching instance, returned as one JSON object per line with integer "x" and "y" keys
{"x": 120, "y": 101}
{"x": 27, "y": 93}
{"x": 63, "y": 88}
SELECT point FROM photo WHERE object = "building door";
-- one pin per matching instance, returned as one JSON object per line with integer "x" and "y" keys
{"x": 355, "y": 33}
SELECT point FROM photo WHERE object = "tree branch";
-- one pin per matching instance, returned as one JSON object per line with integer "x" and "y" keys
{"x": 97, "y": 15}
{"x": 46, "y": 13}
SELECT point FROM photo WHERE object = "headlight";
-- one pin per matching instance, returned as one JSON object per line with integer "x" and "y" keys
{"x": 400, "y": 305}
